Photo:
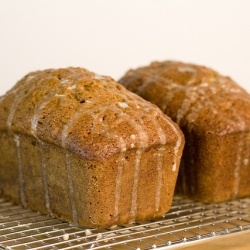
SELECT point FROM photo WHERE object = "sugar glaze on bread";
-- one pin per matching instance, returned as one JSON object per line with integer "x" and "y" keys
{"x": 82, "y": 148}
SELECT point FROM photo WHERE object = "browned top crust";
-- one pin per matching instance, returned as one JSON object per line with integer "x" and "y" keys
{"x": 194, "y": 96}
{"x": 85, "y": 113}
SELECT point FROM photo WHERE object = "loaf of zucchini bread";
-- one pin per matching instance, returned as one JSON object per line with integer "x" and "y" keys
{"x": 82, "y": 148}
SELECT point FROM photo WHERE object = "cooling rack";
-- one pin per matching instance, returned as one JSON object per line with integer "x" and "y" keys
{"x": 186, "y": 222}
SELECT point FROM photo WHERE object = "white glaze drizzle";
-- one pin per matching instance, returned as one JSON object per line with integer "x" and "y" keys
{"x": 133, "y": 210}
{"x": 99, "y": 77}
{"x": 44, "y": 176}
{"x": 72, "y": 87}
{"x": 64, "y": 81}
{"x": 185, "y": 106}
{"x": 238, "y": 162}
{"x": 68, "y": 126}
{"x": 30, "y": 77}
{"x": 123, "y": 104}
{"x": 132, "y": 136}
{"x": 119, "y": 176}
{"x": 35, "y": 118}
{"x": 159, "y": 177}
{"x": 71, "y": 188}
{"x": 20, "y": 170}
{"x": 118, "y": 183}
{"x": 184, "y": 69}
{"x": 246, "y": 159}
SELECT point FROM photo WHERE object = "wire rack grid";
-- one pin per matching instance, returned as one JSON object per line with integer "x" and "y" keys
{"x": 186, "y": 222}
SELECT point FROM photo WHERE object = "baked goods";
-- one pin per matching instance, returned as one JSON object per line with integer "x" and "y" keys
{"x": 81, "y": 147}
{"x": 214, "y": 114}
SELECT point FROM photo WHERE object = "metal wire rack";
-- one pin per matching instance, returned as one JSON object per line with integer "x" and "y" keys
{"x": 186, "y": 222}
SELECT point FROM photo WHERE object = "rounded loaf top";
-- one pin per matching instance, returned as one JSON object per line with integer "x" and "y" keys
{"x": 84, "y": 112}
{"x": 192, "y": 95}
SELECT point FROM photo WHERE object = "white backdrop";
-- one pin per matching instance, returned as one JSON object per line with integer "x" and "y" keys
{"x": 111, "y": 36}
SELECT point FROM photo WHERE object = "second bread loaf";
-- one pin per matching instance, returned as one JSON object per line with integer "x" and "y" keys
{"x": 214, "y": 114}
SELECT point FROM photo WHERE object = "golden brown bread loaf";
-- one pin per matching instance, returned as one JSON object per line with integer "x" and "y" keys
{"x": 214, "y": 114}
{"x": 80, "y": 147}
